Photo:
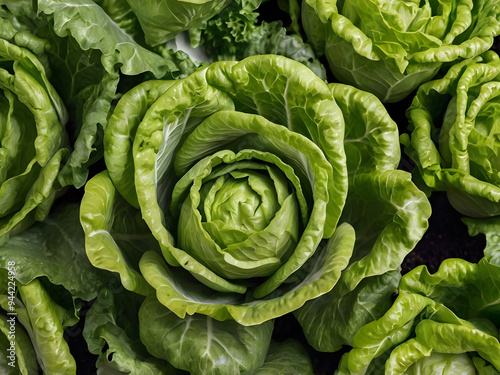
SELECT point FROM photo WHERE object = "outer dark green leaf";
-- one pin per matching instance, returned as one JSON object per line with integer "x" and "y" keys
{"x": 285, "y": 358}
{"x": 54, "y": 248}
{"x": 112, "y": 322}
{"x": 201, "y": 345}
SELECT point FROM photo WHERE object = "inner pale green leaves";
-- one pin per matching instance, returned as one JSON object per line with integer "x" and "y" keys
{"x": 238, "y": 131}
{"x": 237, "y": 226}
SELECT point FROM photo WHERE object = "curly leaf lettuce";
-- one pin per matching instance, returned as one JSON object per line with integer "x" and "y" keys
{"x": 390, "y": 48}
{"x": 259, "y": 158}
{"x": 389, "y": 215}
{"x": 49, "y": 272}
{"x": 32, "y": 133}
{"x": 236, "y": 33}
{"x": 88, "y": 65}
{"x": 453, "y": 135}
{"x": 436, "y": 323}
{"x": 93, "y": 62}
{"x": 239, "y": 171}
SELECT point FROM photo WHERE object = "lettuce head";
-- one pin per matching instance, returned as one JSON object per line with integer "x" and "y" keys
{"x": 238, "y": 194}
{"x": 454, "y": 135}
{"x": 390, "y": 47}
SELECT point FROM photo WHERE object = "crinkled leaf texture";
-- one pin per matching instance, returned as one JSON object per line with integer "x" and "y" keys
{"x": 112, "y": 322}
{"x": 51, "y": 272}
{"x": 458, "y": 152}
{"x": 69, "y": 36}
{"x": 444, "y": 323}
{"x": 87, "y": 22}
{"x": 236, "y": 33}
{"x": 32, "y": 134}
{"x": 176, "y": 150}
{"x": 201, "y": 345}
{"x": 389, "y": 215}
{"x": 212, "y": 162}
{"x": 390, "y": 48}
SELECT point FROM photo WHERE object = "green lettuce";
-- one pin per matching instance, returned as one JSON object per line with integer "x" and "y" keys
{"x": 224, "y": 203}
{"x": 453, "y": 135}
{"x": 93, "y": 62}
{"x": 84, "y": 67}
{"x": 389, "y": 215}
{"x": 33, "y": 138}
{"x": 44, "y": 275}
{"x": 237, "y": 33}
{"x": 390, "y": 48}
{"x": 442, "y": 323}
{"x": 269, "y": 167}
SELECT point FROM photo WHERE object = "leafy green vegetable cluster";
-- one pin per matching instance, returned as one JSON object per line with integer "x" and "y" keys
{"x": 390, "y": 48}
{"x": 240, "y": 172}
{"x": 454, "y": 139}
{"x": 44, "y": 276}
{"x": 442, "y": 323}
{"x": 33, "y": 138}
{"x": 206, "y": 200}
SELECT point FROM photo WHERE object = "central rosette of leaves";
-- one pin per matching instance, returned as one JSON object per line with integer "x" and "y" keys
{"x": 241, "y": 221}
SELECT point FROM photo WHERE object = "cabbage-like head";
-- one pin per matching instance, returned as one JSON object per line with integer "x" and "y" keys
{"x": 454, "y": 138}
{"x": 239, "y": 171}
{"x": 391, "y": 47}
{"x": 222, "y": 200}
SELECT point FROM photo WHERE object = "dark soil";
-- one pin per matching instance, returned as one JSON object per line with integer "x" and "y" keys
{"x": 447, "y": 237}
